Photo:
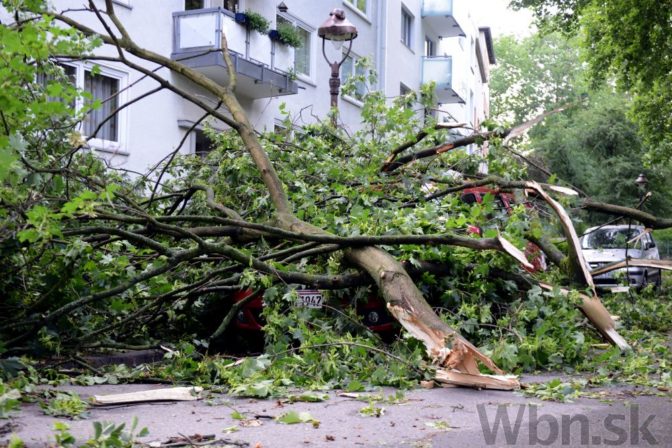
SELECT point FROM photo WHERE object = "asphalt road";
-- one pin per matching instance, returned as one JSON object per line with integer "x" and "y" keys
{"x": 441, "y": 417}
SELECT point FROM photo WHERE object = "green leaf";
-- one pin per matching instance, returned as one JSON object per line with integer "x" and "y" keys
{"x": 293, "y": 417}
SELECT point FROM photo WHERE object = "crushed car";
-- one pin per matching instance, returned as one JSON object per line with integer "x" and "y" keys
{"x": 608, "y": 244}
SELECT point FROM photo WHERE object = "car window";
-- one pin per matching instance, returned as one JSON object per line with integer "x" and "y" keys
{"x": 609, "y": 238}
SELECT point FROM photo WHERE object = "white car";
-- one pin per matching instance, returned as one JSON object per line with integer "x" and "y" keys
{"x": 607, "y": 244}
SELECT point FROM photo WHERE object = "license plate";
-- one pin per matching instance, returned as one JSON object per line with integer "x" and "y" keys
{"x": 309, "y": 298}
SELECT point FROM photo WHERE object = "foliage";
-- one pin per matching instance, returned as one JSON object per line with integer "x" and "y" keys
{"x": 9, "y": 400}
{"x": 65, "y": 405}
{"x": 541, "y": 331}
{"x": 256, "y": 22}
{"x": 535, "y": 74}
{"x": 372, "y": 410}
{"x": 593, "y": 146}
{"x": 645, "y": 323}
{"x": 555, "y": 390}
{"x": 322, "y": 360}
{"x": 135, "y": 295}
{"x": 289, "y": 35}
{"x": 293, "y": 417}
{"x": 623, "y": 40}
{"x": 105, "y": 435}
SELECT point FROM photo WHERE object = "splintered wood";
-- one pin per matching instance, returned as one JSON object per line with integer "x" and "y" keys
{"x": 144, "y": 396}
{"x": 592, "y": 307}
{"x": 455, "y": 357}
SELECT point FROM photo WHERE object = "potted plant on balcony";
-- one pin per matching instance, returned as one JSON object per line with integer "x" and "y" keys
{"x": 286, "y": 34}
{"x": 259, "y": 46}
{"x": 253, "y": 21}
{"x": 286, "y": 37}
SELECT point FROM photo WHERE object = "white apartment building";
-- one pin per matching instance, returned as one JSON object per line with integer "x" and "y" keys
{"x": 410, "y": 42}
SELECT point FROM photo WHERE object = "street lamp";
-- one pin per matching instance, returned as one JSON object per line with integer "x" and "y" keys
{"x": 339, "y": 29}
{"x": 642, "y": 182}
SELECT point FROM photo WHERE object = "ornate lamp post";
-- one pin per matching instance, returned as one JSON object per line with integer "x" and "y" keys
{"x": 336, "y": 28}
{"x": 642, "y": 182}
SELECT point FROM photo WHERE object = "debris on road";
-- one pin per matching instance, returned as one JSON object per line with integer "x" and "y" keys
{"x": 165, "y": 394}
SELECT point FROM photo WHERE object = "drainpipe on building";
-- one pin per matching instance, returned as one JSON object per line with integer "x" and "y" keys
{"x": 381, "y": 44}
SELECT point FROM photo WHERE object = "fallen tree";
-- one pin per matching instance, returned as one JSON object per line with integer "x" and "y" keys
{"x": 96, "y": 257}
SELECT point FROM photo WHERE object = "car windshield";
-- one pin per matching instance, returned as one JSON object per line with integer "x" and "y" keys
{"x": 609, "y": 238}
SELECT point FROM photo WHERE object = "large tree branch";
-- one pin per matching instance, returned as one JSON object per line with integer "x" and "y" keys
{"x": 506, "y": 134}
{"x": 645, "y": 218}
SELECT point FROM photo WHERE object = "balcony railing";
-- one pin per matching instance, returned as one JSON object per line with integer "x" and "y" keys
{"x": 440, "y": 70}
{"x": 446, "y": 17}
{"x": 263, "y": 64}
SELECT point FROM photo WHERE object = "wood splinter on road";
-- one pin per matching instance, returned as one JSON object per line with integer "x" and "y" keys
{"x": 144, "y": 396}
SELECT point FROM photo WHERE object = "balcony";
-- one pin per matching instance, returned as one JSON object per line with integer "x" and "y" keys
{"x": 445, "y": 17}
{"x": 449, "y": 87}
{"x": 261, "y": 65}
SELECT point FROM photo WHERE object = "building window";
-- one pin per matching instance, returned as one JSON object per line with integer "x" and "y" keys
{"x": 302, "y": 54}
{"x": 351, "y": 68}
{"x": 406, "y": 28}
{"x": 430, "y": 47}
{"x": 202, "y": 143}
{"x": 68, "y": 72}
{"x": 193, "y": 4}
{"x": 361, "y": 5}
{"x": 104, "y": 90}
{"x": 231, "y": 5}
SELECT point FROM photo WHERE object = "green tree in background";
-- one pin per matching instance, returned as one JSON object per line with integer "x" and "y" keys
{"x": 534, "y": 75}
{"x": 629, "y": 41}
{"x": 592, "y": 145}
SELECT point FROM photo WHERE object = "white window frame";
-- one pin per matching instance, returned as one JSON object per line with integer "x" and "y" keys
{"x": 411, "y": 27}
{"x": 353, "y": 99}
{"x": 310, "y": 77}
{"x": 352, "y": 4}
{"x": 122, "y": 116}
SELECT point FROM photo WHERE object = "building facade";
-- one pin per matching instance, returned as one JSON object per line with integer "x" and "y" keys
{"x": 409, "y": 42}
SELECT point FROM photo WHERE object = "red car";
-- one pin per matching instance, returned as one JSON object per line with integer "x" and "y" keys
{"x": 373, "y": 311}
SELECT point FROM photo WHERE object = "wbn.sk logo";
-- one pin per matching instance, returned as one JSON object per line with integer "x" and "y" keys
{"x": 547, "y": 429}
